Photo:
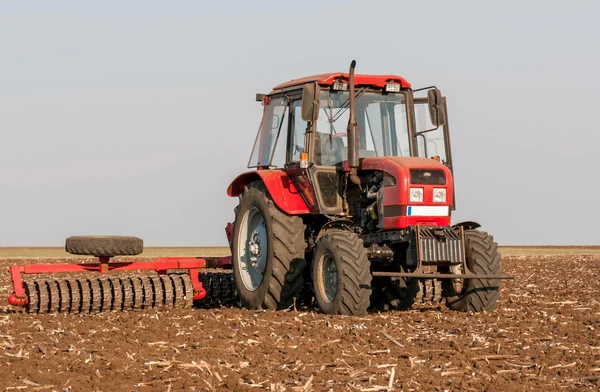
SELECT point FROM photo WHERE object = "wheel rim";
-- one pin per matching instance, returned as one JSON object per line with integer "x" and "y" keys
{"x": 329, "y": 278}
{"x": 252, "y": 249}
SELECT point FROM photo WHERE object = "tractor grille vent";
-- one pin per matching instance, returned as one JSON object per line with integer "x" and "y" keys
{"x": 427, "y": 177}
{"x": 440, "y": 246}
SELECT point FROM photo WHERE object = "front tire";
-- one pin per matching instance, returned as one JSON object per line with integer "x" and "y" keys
{"x": 268, "y": 251}
{"x": 341, "y": 274}
{"x": 476, "y": 295}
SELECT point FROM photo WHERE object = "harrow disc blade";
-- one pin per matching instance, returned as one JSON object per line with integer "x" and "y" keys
{"x": 430, "y": 292}
{"x": 34, "y": 297}
{"x": 117, "y": 294}
{"x": 159, "y": 292}
{"x": 65, "y": 297}
{"x": 74, "y": 295}
{"x": 94, "y": 295}
{"x": 178, "y": 292}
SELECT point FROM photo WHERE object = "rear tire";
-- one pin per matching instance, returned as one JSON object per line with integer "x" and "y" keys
{"x": 476, "y": 295}
{"x": 341, "y": 274}
{"x": 268, "y": 251}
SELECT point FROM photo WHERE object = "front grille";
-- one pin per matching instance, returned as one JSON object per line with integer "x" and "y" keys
{"x": 440, "y": 245}
{"x": 427, "y": 177}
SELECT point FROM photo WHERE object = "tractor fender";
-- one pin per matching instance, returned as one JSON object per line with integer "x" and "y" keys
{"x": 467, "y": 225}
{"x": 279, "y": 185}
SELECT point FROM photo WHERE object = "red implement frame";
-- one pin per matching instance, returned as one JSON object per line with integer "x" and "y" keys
{"x": 161, "y": 265}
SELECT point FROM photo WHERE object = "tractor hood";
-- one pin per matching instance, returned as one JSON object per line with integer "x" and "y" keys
{"x": 399, "y": 165}
{"x": 410, "y": 172}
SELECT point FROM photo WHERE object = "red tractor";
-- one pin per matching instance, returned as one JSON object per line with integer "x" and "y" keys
{"x": 351, "y": 201}
{"x": 352, "y": 217}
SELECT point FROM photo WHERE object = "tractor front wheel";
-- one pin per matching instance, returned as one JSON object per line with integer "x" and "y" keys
{"x": 341, "y": 274}
{"x": 268, "y": 251}
{"x": 475, "y": 295}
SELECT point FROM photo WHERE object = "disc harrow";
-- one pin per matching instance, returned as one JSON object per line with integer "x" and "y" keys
{"x": 430, "y": 292}
{"x": 108, "y": 294}
{"x": 176, "y": 284}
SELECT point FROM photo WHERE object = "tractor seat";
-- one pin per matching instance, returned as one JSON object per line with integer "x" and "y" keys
{"x": 327, "y": 154}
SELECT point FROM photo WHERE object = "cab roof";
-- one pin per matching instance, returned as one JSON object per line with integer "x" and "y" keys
{"x": 327, "y": 79}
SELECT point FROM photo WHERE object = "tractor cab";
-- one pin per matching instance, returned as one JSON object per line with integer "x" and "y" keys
{"x": 304, "y": 131}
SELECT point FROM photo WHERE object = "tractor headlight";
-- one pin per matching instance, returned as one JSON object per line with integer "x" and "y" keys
{"x": 416, "y": 194}
{"x": 439, "y": 195}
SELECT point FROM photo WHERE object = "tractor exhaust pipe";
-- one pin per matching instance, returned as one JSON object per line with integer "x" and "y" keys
{"x": 352, "y": 130}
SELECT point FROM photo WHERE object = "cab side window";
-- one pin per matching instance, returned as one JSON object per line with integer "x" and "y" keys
{"x": 430, "y": 144}
{"x": 298, "y": 132}
{"x": 270, "y": 145}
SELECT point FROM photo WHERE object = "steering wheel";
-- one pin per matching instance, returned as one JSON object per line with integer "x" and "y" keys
{"x": 337, "y": 135}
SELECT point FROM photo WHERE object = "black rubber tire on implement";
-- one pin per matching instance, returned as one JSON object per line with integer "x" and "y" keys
{"x": 482, "y": 258}
{"x": 104, "y": 246}
{"x": 282, "y": 277}
{"x": 220, "y": 290}
{"x": 352, "y": 268}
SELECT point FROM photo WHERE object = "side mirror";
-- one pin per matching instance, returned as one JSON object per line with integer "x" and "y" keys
{"x": 310, "y": 102}
{"x": 436, "y": 107}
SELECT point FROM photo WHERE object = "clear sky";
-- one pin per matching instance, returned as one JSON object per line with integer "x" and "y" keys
{"x": 132, "y": 117}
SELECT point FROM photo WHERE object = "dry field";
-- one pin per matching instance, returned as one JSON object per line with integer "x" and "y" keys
{"x": 544, "y": 336}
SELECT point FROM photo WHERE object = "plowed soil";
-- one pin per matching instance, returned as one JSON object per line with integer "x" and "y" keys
{"x": 544, "y": 336}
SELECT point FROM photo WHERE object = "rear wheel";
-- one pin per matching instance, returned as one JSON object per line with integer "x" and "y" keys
{"x": 268, "y": 251}
{"x": 341, "y": 274}
{"x": 482, "y": 258}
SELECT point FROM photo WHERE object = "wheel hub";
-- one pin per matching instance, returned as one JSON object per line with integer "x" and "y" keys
{"x": 329, "y": 278}
{"x": 252, "y": 249}
{"x": 255, "y": 248}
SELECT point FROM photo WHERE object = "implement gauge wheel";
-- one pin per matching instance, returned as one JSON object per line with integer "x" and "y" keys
{"x": 268, "y": 251}
{"x": 104, "y": 246}
{"x": 475, "y": 295}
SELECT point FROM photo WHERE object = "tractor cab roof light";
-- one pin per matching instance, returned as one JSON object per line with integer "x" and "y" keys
{"x": 392, "y": 87}
{"x": 340, "y": 85}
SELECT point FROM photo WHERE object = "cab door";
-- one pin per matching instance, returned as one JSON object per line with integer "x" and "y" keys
{"x": 432, "y": 142}
{"x": 319, "y": 184}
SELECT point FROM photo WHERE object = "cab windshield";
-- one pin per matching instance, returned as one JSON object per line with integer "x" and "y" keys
{"x": 382, "y": 123}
